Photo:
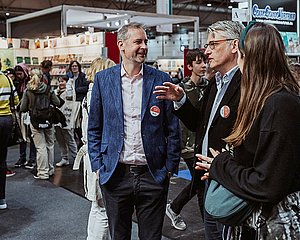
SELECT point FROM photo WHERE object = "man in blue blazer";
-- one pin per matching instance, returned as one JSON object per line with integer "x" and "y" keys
{"x": 133, "y": 139}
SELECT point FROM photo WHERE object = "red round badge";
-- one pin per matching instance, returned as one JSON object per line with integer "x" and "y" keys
{"x": 154, "y": 111}
{"x": 225, "y": 111}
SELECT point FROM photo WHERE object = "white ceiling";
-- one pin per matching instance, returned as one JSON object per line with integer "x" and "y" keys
{"x": 83, "y": 16}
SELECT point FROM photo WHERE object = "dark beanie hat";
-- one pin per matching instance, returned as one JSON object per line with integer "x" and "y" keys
{"x": 10, "y": 71}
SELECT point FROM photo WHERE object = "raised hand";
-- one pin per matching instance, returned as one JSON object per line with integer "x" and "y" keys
{"x": 169, "y": 91}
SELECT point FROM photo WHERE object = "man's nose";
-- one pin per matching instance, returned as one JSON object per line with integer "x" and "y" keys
{"x": 144, "y": 45}
{"x": 207, "y": 51}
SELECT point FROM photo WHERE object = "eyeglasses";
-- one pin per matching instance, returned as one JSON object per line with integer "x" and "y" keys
{"x": 212, "y": 44}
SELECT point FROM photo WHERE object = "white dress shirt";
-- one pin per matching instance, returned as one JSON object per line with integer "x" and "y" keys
{"x": 132, "y": 88}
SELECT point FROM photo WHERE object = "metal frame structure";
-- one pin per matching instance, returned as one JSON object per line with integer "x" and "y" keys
{"x": 103, "y": 18}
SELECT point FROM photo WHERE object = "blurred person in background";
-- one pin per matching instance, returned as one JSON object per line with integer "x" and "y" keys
{"x": 46, "y": 69}
{"x": 194, "y": 87}
{"x": 76, "y": 89}
{"x": 65, "y": 135}
{"x": 43, "y": 137}
{"x": 10, "y": 72}
{"x": 22, "y": 78}
{"x": 98, "y": 222}
{"x": 6, "y": 124}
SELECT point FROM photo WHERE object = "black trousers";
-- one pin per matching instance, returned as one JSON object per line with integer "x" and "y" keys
{"x": 6, "y": 124}
{"x": 133, "y": 188}
{"x": 188, "y": 193}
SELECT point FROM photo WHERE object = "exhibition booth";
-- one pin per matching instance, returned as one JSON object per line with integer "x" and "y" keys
{"x": 41, "y": 35}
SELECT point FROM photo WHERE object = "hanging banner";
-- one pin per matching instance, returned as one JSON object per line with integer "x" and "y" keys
{"x": 282, "y": 14}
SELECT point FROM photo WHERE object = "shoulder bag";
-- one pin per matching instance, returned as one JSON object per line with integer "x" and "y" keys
{"x": 226, "y": 207}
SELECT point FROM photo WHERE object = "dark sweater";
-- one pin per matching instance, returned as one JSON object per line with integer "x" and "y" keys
{"x": 81, "y": 87}
{"x": 266, "y": 167}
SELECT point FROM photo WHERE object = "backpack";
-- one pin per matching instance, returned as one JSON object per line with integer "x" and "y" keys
{"x": 41, "y": 113}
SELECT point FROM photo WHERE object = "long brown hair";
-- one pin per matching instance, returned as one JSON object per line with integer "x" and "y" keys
{"x": 265, "y": 71}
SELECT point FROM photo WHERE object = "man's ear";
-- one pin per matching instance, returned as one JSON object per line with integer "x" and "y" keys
{"x": 120, "y": 44}
{"x": 235, "y": 45}
{"x": 189, "y": 67}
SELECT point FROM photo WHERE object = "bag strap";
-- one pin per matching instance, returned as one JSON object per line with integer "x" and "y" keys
{"x": 11, "y": 98}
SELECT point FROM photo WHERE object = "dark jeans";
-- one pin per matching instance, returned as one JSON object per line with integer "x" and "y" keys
{"x": 32, "y": 153}
{"x": 213, "y": 229}
{"x": 6, "y": 124}
{"x": 126, "y": 191}
{"x": 188, "y": 193}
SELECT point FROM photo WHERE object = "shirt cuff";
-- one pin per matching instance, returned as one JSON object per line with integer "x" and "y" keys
{"x": 178, "y": 104}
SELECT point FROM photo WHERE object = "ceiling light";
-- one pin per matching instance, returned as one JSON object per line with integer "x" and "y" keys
{"x": 209, "y": 4}
{"x": 178, "y": 25}
{"x": 126, "y": 21}
{"x": 7, "y": 14}
{"x": 117, "y": 23}
{"x": 108, "y": 24}
{"x": 230, "y": 7}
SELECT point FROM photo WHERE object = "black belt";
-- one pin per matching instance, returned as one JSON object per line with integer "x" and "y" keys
{"x": 133, "y": 168}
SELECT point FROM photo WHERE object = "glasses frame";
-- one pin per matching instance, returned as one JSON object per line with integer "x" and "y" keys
{"x": 212, "y": 44}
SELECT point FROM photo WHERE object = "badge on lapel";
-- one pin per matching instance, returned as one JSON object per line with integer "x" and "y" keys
{"x": 154, "y": 111}
{"x": 225, "y": 111}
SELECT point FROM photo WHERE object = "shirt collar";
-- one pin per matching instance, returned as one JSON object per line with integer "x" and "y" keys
{"x": 125, "y": 74}
{"x": 227, "y": 76}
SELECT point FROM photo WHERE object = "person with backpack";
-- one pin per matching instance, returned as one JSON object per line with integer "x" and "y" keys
{"x": 38, "y": 99}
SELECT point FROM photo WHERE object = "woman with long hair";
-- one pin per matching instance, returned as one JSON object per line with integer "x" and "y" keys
{"x": 97, "y": 228}
{"x": 263, "y": 164}
{"x": 76, "y": 89}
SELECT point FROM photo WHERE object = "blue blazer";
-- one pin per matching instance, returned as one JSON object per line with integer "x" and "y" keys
{"x": 160, "y": 134}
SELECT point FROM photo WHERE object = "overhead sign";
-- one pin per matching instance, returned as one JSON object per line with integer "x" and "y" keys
{"x": 282, "y": 14}
{"x": 240, "y": 15}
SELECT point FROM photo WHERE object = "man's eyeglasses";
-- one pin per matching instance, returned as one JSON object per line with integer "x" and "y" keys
{"x": 212, "y": 44}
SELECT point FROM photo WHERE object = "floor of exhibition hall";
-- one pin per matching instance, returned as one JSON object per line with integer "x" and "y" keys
{"x": 57, "y": 209}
